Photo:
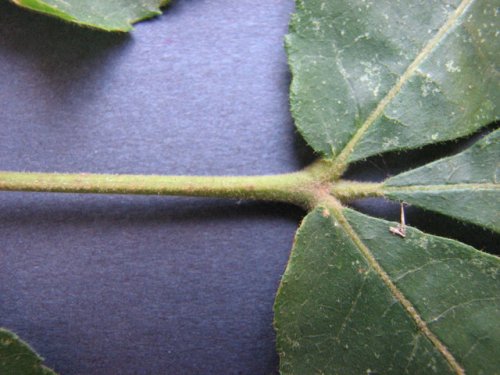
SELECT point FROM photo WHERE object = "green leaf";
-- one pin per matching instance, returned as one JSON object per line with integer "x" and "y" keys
{"x": 109, "y": 15}
{"x": 375, "y": 76}
{"x": 464, "y": 186}
{"x": 356, "y": 299}
{"x": 17, "y": 358}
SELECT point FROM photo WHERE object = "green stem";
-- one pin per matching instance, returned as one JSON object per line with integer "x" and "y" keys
{"x": 305, "y": 188}
{"x": 346, "y": 191}
{"x": 293, "y": 187}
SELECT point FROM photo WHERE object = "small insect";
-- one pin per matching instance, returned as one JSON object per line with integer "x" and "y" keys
{"x": 400, "y": 229}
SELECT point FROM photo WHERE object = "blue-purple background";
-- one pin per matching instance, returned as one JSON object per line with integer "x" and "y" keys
{"x": 156, "y": 285}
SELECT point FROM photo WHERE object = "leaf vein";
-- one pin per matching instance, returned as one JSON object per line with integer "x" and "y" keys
{"x": 431, "y": 188}
{"x": 417, "y": 269}
{"x": 452, "y": 308}
{"x": 351, "y": 309}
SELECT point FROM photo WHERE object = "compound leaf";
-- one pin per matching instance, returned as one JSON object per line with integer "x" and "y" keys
{"x": 16, "y": 357}
{"x": 464, "y": 186}
{"x": 109, "y": 15}
{"x": 356, "y": 299}
{"x": 375, "y": 76}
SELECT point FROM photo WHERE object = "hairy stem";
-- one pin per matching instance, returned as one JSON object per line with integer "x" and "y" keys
{"x": 292, "y": 187}
{"x": 305, "y": 188}
{"x": 346, "y": 191}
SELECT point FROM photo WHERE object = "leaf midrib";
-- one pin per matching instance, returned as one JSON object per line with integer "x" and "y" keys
{"x": 393, "y": 92}
{"x": 397, "y": 294}
{"x": 440, "y": 187}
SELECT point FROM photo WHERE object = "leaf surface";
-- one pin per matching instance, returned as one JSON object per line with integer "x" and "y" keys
{"x": 110, "y": 15}
{"x": 464, "y": 186}
{"x": 16, "y": 357}
{"x": 356, "y": 299}
{"x": 375, "y": 76}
